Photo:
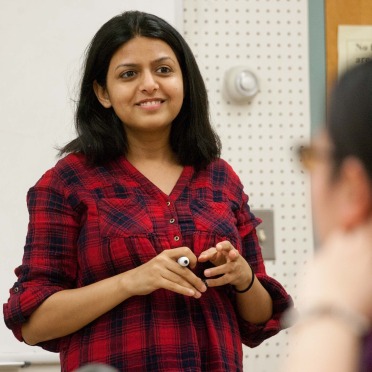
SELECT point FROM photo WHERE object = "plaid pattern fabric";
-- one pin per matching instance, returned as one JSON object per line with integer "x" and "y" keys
{"x": 87, "y": 224}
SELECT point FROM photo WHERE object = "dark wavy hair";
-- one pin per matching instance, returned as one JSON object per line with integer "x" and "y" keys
{"x": 349, "y": 118}
{"x": 100, "y": 133}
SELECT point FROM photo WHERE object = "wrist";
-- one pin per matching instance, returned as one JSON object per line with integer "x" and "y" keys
{"x": 246, "y": 287}
{"x": 126, "y": 286}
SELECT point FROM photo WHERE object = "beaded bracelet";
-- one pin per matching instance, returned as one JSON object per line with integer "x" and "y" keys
{"x": 250, "y": 284}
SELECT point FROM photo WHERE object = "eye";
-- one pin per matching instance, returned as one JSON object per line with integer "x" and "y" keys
{"x": 164, "y": 70}
{"x": 128, "y": 74}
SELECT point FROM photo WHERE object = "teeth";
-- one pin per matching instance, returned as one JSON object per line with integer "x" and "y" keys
{"x": 150, "y": 103}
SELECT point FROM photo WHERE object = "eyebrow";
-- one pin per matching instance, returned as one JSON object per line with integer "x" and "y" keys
{"x": 161, "y": 59}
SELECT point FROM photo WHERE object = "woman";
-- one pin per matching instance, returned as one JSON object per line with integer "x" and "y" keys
{"x": 335, "y": 308}
{"x": 143, "y": 185}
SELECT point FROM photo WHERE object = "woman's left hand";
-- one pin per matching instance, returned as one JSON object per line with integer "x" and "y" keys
{"x": 230, "y": 266}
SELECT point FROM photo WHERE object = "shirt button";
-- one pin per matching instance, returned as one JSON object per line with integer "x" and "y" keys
{"x": 176, "y": 238}
{"x": 168, "y": 203}
{"x": 171, "y": 220}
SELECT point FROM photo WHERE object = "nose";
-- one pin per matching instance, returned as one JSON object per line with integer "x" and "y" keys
{"x": 149, "y": 82}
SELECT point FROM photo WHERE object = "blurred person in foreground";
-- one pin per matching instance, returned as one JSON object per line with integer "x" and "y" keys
{"x": 333, "y": 323}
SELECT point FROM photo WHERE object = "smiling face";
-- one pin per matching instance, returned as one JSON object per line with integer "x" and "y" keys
{"x": 144, "y": 86}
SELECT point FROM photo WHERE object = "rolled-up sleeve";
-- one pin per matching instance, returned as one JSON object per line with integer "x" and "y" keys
{"x": 49, "y": 262}
{"x": 252, "y": 335}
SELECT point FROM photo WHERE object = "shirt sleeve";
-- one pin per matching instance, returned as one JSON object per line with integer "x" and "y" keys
{"x": 252, "y": 334}
{"x": 49, "y": 261}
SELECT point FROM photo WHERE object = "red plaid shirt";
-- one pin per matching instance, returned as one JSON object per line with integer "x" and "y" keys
{"x": 87, "y": 224}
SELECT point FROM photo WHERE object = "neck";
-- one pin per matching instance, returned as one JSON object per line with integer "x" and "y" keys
{"x": 154, "y": 149}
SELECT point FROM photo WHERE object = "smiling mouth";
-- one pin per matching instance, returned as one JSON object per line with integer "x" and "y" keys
{"x": 150, "y": 103}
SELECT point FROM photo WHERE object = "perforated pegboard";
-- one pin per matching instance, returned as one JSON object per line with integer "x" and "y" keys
{"x": 270, "y": 37}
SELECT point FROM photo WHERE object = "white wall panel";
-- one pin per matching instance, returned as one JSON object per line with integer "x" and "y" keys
{"x": 270, "y": 37}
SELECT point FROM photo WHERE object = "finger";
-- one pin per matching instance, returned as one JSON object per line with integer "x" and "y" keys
{"x": 233, "y": 255}
{"x": 176, "y": 283}
{"x": 183, "y": 276}
{"x": 190, "y": 278}
{"x": 220, "y": 270}
{"x": 208, "y": 255}
{"x": 230, "y": 273}
{"x": 217, "y": 282}
{"x": 224, "y": 246}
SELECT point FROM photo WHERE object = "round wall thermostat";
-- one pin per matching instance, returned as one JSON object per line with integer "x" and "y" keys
{"x": 240, "y": 85}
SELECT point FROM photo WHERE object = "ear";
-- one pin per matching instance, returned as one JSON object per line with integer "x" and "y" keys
{"x": 102, "y": 95}
{"x": 355, "y": 194}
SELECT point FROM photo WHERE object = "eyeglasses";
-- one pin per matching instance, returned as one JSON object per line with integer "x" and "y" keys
{"x": 309, "y": 155}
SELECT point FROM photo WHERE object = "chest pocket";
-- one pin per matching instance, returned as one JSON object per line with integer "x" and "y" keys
{"x": 123, "y": 218}
{"x": 214, "y": 217}
{"x": 127, "y": 235}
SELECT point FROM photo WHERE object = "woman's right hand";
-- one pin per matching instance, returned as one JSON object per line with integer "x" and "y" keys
{"x": 163, "y": 271}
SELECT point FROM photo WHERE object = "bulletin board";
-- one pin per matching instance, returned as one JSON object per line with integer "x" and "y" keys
{"x": 342, "y": 12}
{"x": 42, "y": 46}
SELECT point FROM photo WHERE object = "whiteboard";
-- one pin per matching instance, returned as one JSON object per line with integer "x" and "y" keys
{"x": 42, "y": 44}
